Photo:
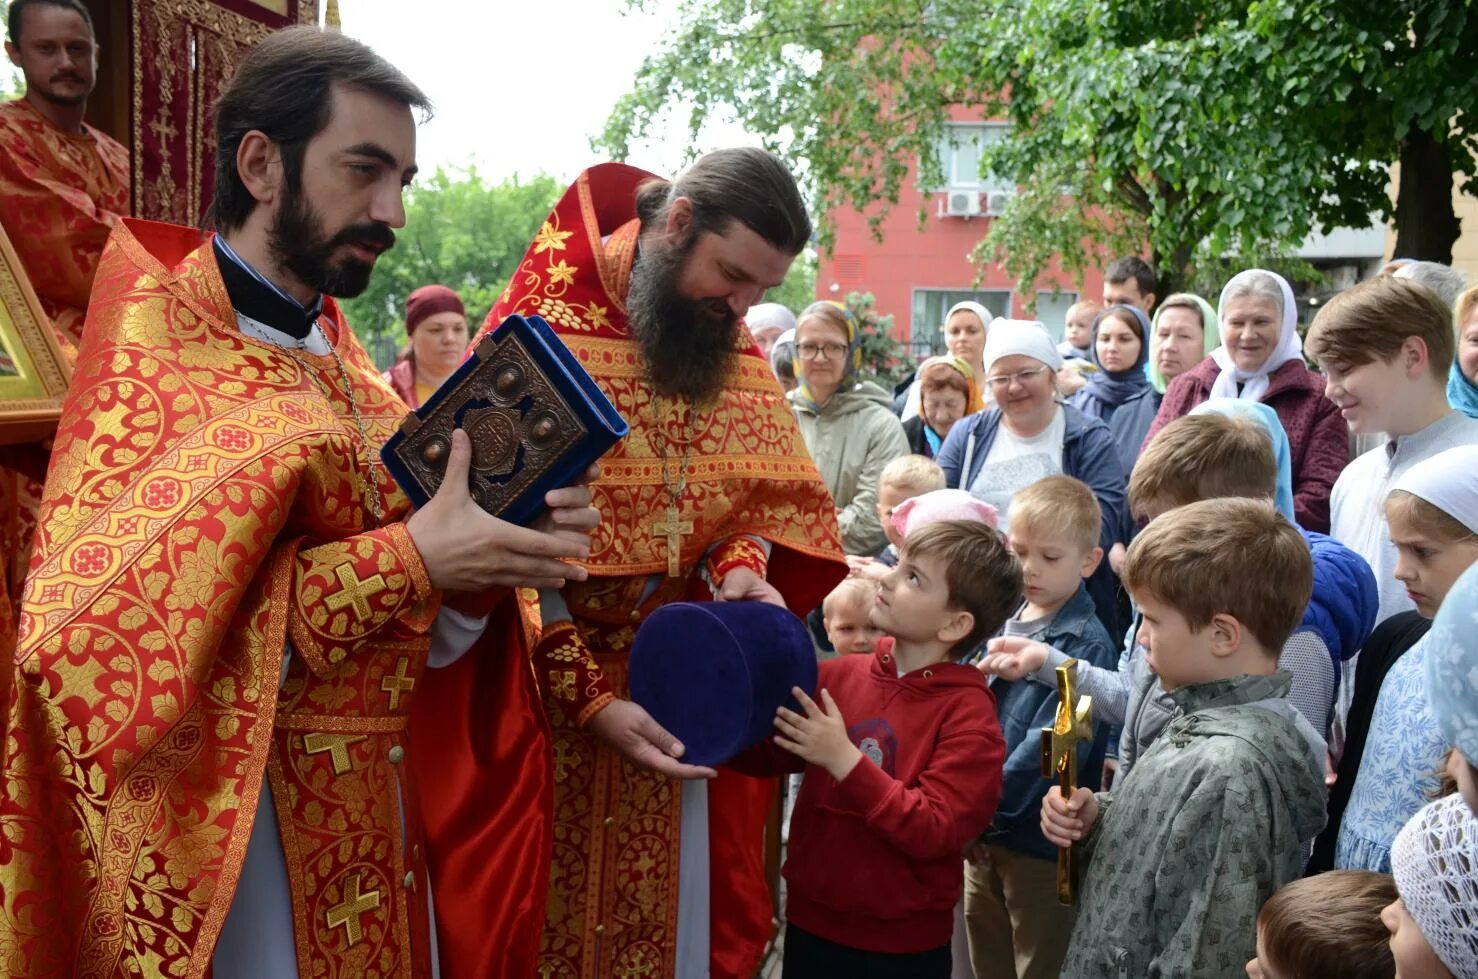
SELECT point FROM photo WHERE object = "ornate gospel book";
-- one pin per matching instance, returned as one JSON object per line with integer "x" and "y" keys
{"x": 536, "y": 419}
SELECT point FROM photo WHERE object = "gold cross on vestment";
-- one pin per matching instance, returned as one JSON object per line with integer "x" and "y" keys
{"x": 675, "y": 529}
{"x": 337, "y": 746}
{"x": 354, "y": 592}
{"x": 354, "y": 904}
{"x": 398, "y": 683}
{"x": 563, "y": 759}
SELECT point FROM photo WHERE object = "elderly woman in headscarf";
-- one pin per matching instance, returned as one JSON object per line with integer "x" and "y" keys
{"x": 948, "y": 392}
{"x": 1119, "y": 392}
{"x": 767, "y": 322}
{"x": 436, "y": 325}
{"x": 965, "y": 327}
{"x": 1261, "y": 359}
{"x": 1462, "y": 382}
{"x": 1182, "y": 334}
{"x": 849, "y": 427}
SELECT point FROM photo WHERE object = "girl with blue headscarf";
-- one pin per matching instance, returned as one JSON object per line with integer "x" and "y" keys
{"x": 1119, "y": 393}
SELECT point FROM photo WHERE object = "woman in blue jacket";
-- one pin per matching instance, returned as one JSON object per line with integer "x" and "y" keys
{"x": 1029, "y": 434}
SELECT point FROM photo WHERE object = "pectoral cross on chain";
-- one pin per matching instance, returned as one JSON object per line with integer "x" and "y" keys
{"x": 675, "y": 529}
{"x": 1074, "y": 723}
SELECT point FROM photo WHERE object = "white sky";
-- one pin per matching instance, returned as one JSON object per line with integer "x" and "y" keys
{"x": 521, "y": 87}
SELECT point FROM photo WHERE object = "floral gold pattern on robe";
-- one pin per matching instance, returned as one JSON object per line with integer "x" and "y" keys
{"x": 202, "y": 509}
{"x": 612, "y": 903}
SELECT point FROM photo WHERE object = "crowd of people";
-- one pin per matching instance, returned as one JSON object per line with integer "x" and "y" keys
{"x": 265, "y": 719}
{"x": 1194, "y": 485}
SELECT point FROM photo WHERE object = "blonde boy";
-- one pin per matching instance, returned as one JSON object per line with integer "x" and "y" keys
{"x": 1017, "y": 927}
{"x": 845, "y": 613}
{"x": 902, "y": 479}
{"x": 1180, "y": 858}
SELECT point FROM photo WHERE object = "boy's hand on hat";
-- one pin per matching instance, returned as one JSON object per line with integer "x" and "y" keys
{"x": 743, "y": 585}
{"x": 627, "y": 727}
{"x": 1012, "y": 657}
{"x": 819, "y": 735}
{"x": 1065, "y": 821}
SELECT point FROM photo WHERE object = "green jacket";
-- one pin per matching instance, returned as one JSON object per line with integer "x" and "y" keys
{"x": 1202, "y": 831}
{"x": 852, "y": 437}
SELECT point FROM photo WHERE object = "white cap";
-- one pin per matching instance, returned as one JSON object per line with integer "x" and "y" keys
{"x": 1027, "y": 338}
{"x": 1435, "y": 863}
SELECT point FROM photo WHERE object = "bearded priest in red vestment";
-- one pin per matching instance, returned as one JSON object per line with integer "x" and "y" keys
{"x": 63, "y": 185}
{"x": 230, "y": 611}
{"x": 657, "y": 867}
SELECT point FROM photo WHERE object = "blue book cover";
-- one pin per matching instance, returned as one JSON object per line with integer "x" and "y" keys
{"x": 536, "y": 420}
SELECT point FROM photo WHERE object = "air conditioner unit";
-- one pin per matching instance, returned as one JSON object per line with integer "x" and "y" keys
{"x": 960, "y": 204}
{"x": 996, "y": 201}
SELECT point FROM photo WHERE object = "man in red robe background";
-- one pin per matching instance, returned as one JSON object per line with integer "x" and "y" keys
{"x": 657, "y": 866}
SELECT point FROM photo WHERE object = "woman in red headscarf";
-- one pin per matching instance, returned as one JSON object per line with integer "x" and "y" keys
{"x": 436, "y": 323}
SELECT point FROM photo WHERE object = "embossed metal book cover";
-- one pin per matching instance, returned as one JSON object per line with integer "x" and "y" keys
{"x": 536, "y": 419}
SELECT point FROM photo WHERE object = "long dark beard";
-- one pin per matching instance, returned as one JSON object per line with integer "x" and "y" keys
{"x": 299, "y": 244}
{"x": 687, "y": 345}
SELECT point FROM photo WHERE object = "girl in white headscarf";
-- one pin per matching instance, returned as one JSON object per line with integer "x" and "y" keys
{"x": 1261, "y": 359}
{"x": 965, "y": 327}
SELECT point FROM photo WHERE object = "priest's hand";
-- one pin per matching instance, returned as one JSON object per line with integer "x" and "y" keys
{"x": 743, "y": 585}
{"x": 627, "y": 727}
{"x": 1012, "y": 657}
{"x": 465, "y": 549}
{"x": 567, "y": 511}
{"x": 1065, "y": 821}
{"x": 819, "y": 736}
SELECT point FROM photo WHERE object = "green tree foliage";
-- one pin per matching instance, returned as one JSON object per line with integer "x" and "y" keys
{"x": 799, "y": 288}
{"x": 884, "y": 359}
{"x": 1187, "y": 131}
{"x": 460, "y": 231}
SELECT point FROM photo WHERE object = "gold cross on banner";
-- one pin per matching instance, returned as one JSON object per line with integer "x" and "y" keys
{"x": 354, "y": 592}
{"x": 398, "y": 683}
{"x": 675, "y": 529}
{"x": 337, "y": 746}
{"x": 347, "y": 913}
{"x": 1074, "y": 723}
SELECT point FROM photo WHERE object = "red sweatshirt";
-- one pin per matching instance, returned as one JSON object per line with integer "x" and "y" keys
{"x": 876, "y": 860}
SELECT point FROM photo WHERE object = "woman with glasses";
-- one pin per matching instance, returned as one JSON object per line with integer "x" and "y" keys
{"x": 1031, "y": 433}
{"x": 1261, "y": 359}
{"x": 849, "y": 427}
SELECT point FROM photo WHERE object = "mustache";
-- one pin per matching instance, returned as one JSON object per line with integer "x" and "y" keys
{"x": 369, "y": 234}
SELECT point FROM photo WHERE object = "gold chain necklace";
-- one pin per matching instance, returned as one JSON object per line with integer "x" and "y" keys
{"x": 367, "y": 485}
{"x": 672, "y": 526}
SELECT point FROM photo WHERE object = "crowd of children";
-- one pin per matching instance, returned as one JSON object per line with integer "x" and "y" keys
{"x": 1279, "y": 780}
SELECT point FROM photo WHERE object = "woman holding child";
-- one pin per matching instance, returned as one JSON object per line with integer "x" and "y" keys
{"x": 1261, "y": 359}
{"x": 848, "y": 426}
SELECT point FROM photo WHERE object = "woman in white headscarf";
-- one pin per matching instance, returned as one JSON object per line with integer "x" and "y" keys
{"x": 1261, "y": 359}
{"x": 965, "y": 327}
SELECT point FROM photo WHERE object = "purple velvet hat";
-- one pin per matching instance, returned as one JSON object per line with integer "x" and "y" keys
{"x": 713, "y": 673}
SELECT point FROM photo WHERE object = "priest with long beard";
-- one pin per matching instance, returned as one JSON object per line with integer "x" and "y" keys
{"x": 657, "y": 866}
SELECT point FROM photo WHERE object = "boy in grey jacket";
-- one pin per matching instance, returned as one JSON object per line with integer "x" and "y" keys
{"x": 1180, "y": 857}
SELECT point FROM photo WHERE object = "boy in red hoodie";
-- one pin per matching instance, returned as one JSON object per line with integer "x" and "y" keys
{"x": 903, "y": 757}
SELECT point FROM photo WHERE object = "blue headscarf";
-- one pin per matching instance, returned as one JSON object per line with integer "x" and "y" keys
{"x": 1462, "y": 393}
{"x": 1259, "y": 412}
{"x": 1113, "y": 388}
{"x": 1452, "y": 666}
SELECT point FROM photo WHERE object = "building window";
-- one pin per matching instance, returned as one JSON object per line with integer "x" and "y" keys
{"x": 926, "y": 336}
{"x": 960, "y": 148}
{"x": 1052, "y": 310}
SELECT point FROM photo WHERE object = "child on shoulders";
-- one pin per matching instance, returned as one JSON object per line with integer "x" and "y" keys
{"x": 1180, "y": 857}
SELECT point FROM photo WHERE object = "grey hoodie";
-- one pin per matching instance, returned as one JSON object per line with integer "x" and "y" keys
{"x": 1203, "y": 831}
{"x": 852, "y": 437}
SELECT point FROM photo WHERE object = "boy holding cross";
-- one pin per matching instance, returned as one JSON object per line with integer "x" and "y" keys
{"x": 1180, "y": 857}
